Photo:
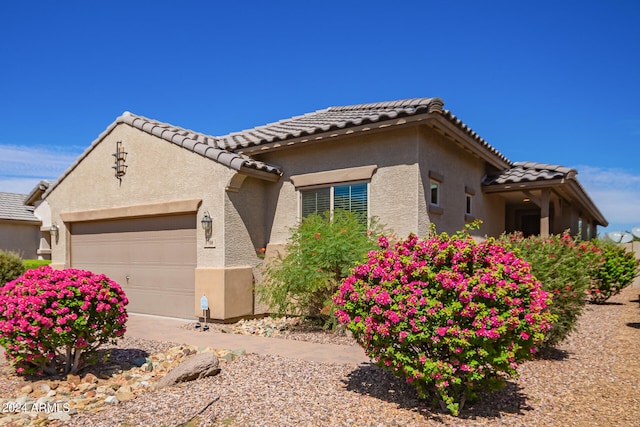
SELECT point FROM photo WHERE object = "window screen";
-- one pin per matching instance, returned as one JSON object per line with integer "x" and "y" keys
{"x": 350, "y": 197}
{"x": 316, "y": 201}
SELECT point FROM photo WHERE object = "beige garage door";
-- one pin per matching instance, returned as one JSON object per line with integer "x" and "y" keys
{"x": 153, "y": 259}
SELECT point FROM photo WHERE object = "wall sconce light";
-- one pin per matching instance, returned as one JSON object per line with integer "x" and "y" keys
{"x": 207, "y": 226}
{"x": 54, "y": 232}
{"x": 121, "y": 157}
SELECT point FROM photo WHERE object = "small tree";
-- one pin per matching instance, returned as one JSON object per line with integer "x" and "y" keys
{"x": 318, "y": 255}
{"x": 52, "y": 320}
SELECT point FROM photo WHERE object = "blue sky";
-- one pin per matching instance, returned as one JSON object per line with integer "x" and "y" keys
{"x": 546, "y": 81}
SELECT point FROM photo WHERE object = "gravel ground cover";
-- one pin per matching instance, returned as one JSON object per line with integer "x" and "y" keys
{"x": 591, "y": 379}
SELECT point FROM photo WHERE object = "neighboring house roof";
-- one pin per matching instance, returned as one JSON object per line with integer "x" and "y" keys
{"x": 528, "y": 174}
{"x": 12, "y": 207}
{"x": 37, "y": 192}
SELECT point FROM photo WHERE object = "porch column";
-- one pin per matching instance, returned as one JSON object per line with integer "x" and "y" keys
{"x": 544, "y": 212}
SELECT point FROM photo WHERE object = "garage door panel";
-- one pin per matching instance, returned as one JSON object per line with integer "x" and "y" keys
{"x": 153, "y": 259}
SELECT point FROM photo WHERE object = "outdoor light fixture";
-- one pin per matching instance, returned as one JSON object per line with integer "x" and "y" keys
{"x": 121, "y": 157}
{"x": 207, "y": 226}
{"x": 54, "y": 232}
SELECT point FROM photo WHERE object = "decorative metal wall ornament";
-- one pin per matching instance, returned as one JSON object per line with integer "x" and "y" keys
{"x": 120, "y": 159}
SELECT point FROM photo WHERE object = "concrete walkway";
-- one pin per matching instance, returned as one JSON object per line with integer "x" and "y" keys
{"x": 172, "y": 330}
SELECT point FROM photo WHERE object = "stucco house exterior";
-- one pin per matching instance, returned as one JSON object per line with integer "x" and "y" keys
{"x": 133, "y": 204}
{"x": 24, "y": 221}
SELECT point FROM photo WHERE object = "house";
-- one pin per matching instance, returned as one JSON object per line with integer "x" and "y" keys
{"x": 173, "y": 215}
{"x": 21, "y": 219}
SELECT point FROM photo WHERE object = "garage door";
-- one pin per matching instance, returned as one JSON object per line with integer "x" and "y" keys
{"x": 153, "y": 259}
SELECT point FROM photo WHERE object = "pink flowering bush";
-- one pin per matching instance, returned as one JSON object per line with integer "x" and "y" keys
{"x": 450, "y": 315}
{"x": 51, "y": 321}
{"x": 563, "y": 264}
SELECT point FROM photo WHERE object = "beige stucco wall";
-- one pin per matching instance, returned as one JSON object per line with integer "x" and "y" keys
{"x": 398, "y": 191}
{"x": 157, "y": 172}
{"x": 460, "y": 172}
{"x": 393, "y": 153}
{"x": 21, "y": 237}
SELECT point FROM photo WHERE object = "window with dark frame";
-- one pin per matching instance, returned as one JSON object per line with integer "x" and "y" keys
{"x": 434, "y": 193}
{"x": 349, "y": 197}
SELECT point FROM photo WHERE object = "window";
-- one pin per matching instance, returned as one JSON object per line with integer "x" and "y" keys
{"x": 435, "y": 193}
{"x": 350, "y": 197}
{"x": 468, "y": 204}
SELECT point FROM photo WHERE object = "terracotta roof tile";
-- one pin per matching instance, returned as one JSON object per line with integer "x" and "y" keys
{"x": 336, "y": 118}
{"x": 529, "y": 172}
{"x": 12, "y": 207}
{"x": 202, "y": 144}
{"x": 328, "y": 119}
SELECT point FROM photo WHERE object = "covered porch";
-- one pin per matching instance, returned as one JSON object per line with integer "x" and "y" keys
{"x": 542, "y": 199}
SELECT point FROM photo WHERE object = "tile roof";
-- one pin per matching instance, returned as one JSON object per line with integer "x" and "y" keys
{"x": 530, "y": 172}
{"x": 343, "y": 117}
{"x": 200, "y": 143}
{"x": 326, "y": 120}
{"x": 12, "y": 207}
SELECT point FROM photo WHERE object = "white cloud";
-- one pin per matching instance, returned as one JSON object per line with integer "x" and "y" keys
{"x": 615, "y": 192}
{"x": 18, "y": 185}
{"x": 21, "y": 168}
{"x": 18, "y": 161}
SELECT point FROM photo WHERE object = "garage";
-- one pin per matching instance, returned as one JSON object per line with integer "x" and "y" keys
{"x": 152, "y": 258}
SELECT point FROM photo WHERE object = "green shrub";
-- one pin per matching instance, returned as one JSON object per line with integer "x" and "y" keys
{"x": 450, "y": 315}
{"x": 318, "y": 255}
{"x": 563, "y": 265}
{"x": 35, "y": 263}
{"x": 11, "y": 266}
{"x": 616, "y": 268}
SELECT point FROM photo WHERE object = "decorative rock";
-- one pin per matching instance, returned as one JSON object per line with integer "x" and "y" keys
{"x": 84, "y": 387}
{"x": 59, "y": 416}
{"x": 111, "y": 400}
{"x": 51, "y": 393}
{"x": 44, "y": 388}
{"x": 90, "y": 379}
{"x": 26, "y": 389}
{"x": 194, "y": 367}
{"x": 124, "y": 393}
{"x": 73, "y": 379}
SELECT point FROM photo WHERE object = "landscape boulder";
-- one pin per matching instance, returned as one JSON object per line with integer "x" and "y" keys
{"x": 194, "y": 367}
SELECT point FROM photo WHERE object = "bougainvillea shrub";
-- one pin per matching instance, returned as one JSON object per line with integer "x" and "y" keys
{"x": 51, "y": 321}
{"x": 564, "y": 265}
{"x": 450, "y": 315}
{"x": 615, "y": 269}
